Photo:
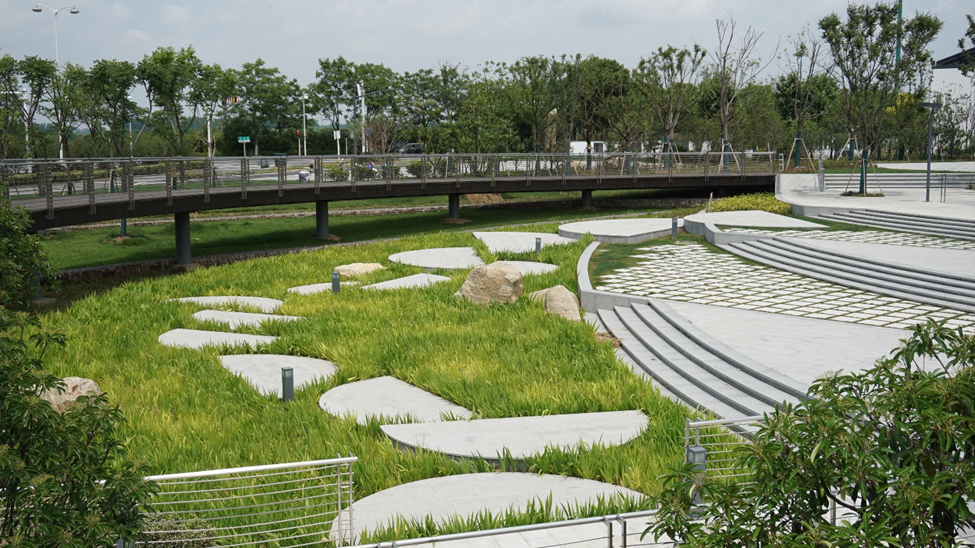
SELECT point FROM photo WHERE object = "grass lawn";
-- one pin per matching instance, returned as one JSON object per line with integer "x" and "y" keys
{"x": 185, "y": 412}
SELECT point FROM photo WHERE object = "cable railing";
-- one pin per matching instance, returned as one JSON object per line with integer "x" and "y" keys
{"x": 292, "y": 504}
{"x": 54, "y": 178}
{"x": 713, "y": 444}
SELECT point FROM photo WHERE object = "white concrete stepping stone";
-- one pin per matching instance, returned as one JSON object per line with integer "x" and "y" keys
{"x": 262, "y": 303}
{"x": 195, "y": 338}
{"x": 263, "y": 371}
{"x": 390, "y": 398}
{"x": 521, "y": 436}
{"x": 444, "y": 257}
{"x": 518, "y": 242}
{"x": 237, "y": 319}
{"x": 529, "y": 267}
{"x": 620, "y": 231}
{"x": 311, "y": 289}
{"x": 467, "y": 494}
{"x": 752, "y": 218}
{"x": 416, "y": 280}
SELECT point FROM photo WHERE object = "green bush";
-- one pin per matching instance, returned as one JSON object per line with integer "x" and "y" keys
{"x": 336, "y": 172}
{"x": 21, "y": 258}
{"x": 415, "y": 169}
{"x": 891, "y": 446}
{"x": 51, "y": 463}
{"x": 763, "y": 201}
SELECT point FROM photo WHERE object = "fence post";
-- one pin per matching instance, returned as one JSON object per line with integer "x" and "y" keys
{"x": 3, "y": 182}
{"x": 89, "y": 175}
{"x": 319, "y": 174}
{"x": 245, "y": 177}
{"x": 207, "y": 180}
{"x": 282, "y": 164}
{"x": 46, "y": 182}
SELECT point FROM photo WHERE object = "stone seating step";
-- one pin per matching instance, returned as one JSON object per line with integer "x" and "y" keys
{"x": 903, "y": 223}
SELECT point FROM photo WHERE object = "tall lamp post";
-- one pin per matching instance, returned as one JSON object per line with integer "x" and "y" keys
{"x": 355, "y": 113}
{"x": 933, "y": 107}
{"x": 74, "y": 11}
{"x": 304, "y": 124}
{"x": 129, "y": 116}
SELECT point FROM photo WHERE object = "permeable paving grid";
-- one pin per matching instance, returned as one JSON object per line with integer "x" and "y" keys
{"x": 693, "y": 273}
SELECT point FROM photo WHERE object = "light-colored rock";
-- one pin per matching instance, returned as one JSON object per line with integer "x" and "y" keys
{"x": 357, "y": 269}
{"x": 559, "y": 300}
{"x": 496, "y": 282}
{"x": 74, "y": 388}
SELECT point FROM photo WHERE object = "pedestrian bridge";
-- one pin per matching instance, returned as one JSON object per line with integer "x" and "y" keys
{"x": 71, "y": 192}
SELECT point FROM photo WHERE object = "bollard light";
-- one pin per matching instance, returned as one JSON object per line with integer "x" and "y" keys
{"x": 336, "y": 284}
{"x": 287, "y": 383}
{"x": 698, "y": 456}
{"x": 538, "y": 245}
{"x": 673, "y": 229}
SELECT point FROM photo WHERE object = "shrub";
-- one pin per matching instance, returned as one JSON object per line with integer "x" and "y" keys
{"x": 336, "y": 172}
{"x": 51, "y": 464}
{"x": 892, "y": 446}
{"x": 763, "y": 201}
{"x": 21, "y": 258}
{"x": 415, "y": 169}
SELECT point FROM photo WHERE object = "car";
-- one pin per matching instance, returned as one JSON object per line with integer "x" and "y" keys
{"x": 409, "y": 148}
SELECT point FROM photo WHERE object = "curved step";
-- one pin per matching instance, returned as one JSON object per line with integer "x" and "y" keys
{"x": 711, "y": 363}
{"x": 907, "y": 223}
{"x": 767, "y": 375}
{"x": 803, "y": 267}
{"x": 889, "y": 273}
{"x": 684, "y": 390}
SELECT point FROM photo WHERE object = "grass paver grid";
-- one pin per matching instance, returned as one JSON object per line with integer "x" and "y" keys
{"x": 725, "y": 280}
{"x": 864, "y": 237}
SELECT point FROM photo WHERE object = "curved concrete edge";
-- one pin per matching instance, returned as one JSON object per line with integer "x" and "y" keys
{"x": 816, "y": 211}
{"x": 715, "y": 235}
{"x": 592, "y": 300}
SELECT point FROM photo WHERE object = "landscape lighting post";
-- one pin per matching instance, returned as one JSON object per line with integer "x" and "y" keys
{"x": 304, "y": 125}
{"x": 74, "y": 11}
{"x": 927, "y": 186}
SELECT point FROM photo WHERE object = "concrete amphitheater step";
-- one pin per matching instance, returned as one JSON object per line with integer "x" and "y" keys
{"x": 918, "y": 224}
{"x": 888, "y": 280}
{"x": 693, "y": 380}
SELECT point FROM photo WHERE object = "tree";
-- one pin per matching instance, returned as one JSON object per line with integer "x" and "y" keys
{"x": 864, "y": 53}
{"x": 668, "y": 81}
{"x": 21, "y": 259}
{"x": 968, "y": 66}
{"x": 60, "y": 108}
{"x": 36, "y": 75}
{"x": 807, "y": 89}
{"x": 735, "y": 65}
{"x": 531, "y": 82}
{"x": 11, "y": 119}
{"x": 171, "y": 79}
{"x": 52, "y": 464}
{"x": 104, "y": 105}
{"x": 267, "y": 98}
{"x": 331, "y": 95}
{"x": 891, "y": 446}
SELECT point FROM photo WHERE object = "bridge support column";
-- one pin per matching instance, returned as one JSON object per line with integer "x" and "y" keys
{"x": 321, "y": 220}
{"x": 587, "y": 199}
{"x": 453, "y": 206}
{"x": 183, "y": 256}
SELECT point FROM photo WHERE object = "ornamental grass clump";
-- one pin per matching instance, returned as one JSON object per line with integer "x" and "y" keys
{"x": 762, "y": 201}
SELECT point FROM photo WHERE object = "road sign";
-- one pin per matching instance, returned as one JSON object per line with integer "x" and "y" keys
{"x": 244, "y": 139}
{"x": 337, "y": 134}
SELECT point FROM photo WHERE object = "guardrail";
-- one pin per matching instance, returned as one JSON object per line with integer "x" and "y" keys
{"x": 49, "y": 178}
{"x": 293, "y": 504}
{"x": 713, "y": 444}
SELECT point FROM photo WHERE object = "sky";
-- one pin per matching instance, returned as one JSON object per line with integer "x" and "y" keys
{"x": 407, "y": 35}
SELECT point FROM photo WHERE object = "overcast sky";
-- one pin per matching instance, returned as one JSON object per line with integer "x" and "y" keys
{"x": 406, "y": 35}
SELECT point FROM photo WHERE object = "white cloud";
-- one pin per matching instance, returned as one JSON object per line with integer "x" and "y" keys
{"x": 135, "y": 36}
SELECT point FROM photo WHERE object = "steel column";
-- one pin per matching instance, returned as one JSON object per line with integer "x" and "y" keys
{"x": 586, "y": 199}
{"x": 453, "y": 206}
{"x": 183, "y": 255}
{"x": 321, "y": 220}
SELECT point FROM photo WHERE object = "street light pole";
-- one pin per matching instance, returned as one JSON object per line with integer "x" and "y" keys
{"x": 355, "y": 113}
{"x": 927, "y": 186}
{"x": 74, "y": 11}
{"x": 131, "y": 147}
{"x": 304, "y": 124}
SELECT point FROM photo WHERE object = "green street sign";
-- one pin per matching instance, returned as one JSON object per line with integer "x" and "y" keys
{"x": 244, "y": 139}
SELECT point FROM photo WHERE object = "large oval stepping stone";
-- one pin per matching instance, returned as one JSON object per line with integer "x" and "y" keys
{"x": 237, "y": 319}
{"x": 261, "y": 303}
{"x": 414, "y": 281}
{"x": 264, "y": 370}
{"x": 530, "y": 267}
{"x": 444, "y": 257}
{"x": 465, "y": 495}
{"x": 195, "y": 338}
{"x": 521, "y": 436}
{"x": 620, "y": 231}
{"x": 311, "y": 289}
{"x": 518, "y": 242}
{"x": 388, "y": 398}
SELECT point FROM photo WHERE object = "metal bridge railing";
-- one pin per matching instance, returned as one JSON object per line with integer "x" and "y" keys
{"x": 55, "y": 179}
{"x": 294, "y": 504}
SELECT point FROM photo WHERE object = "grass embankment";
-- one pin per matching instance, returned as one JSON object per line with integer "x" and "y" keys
{"x": 185, "y": 412}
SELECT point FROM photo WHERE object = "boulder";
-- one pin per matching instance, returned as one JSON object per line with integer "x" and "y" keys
{"x": 357, "y": 269}
{"x": 495, "y": 282}
{"x": 74, "y": 388}
{"x": 559, "y": 300}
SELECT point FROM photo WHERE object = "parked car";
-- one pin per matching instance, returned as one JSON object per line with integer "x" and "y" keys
{"x": 409, "y": 148}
